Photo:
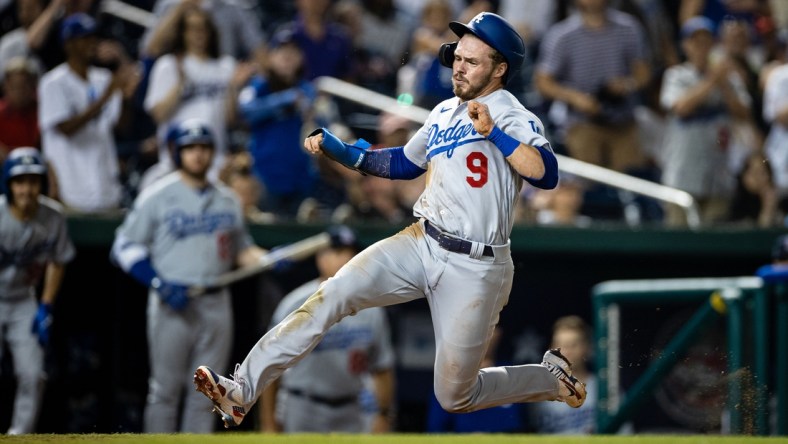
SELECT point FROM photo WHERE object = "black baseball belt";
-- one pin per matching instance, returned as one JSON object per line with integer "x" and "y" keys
{"x": 451, "y": 243}
{"x": 331, "y": 402}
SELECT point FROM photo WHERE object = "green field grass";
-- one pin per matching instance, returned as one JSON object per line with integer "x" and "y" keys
{"x": 256, "y": 438}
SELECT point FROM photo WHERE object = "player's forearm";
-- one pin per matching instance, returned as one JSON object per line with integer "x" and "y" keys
{"x": 250, "y": 256}
{"x": 165, "y": 108}
{"x": 268, "y": 421}
{"x": 383, "y": 382}
{"x": 76, "y": 123}
{"x": 537, "y": 165}
{"x": 53, "y": 278}
{"x": 782, "y": 117}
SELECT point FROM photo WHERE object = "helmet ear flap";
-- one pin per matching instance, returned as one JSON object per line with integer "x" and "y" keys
{"x": 446, "y": 54}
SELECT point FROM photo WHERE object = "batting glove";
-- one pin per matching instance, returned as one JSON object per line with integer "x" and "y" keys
{"x": 172, "y": 294}
{"x": 349, "y": 155}
{"x": 42, "y": 323}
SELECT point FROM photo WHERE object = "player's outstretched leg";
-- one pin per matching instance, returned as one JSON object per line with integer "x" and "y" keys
{"x": 571, "y": 391}
{"x": 225, "y": 393}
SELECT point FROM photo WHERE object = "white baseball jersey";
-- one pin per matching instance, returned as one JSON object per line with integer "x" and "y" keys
{"x": 775, "y": 100}
{"x": 203, "y": 97}
{"x": 460, "y": 196}
{"x": 86, "y": 162}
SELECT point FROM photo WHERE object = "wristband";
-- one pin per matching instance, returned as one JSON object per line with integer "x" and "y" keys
{"x": 506, "y": 143}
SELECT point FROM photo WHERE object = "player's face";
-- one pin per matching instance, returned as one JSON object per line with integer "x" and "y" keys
{"x": 25, "y": 190}
{"x": 474, "y": 72}
{"x": 196, "y": 160}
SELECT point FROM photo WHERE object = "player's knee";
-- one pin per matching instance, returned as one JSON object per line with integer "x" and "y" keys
{"x": 453, "y": 400}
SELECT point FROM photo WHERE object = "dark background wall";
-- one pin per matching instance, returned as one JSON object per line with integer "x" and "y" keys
{"x": 97, "y": 360}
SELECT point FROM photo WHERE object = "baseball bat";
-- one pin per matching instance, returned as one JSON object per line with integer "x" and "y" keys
{"x": 293, "y": 252}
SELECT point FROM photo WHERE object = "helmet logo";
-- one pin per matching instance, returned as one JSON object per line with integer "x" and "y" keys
{"x": 479, "y": 18}
{"x": 27, "y": 160}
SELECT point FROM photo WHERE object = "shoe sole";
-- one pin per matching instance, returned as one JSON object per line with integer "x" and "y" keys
{"x": 577, "y": 394}
{"x": 204, "y": 383}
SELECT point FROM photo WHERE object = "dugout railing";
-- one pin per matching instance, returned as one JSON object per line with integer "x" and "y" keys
{"x": 756, "y": 369}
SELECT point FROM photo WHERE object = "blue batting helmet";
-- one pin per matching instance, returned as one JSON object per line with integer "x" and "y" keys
{"x": 493, "y": 30}
{"x": 189, "y": 132}
{"x": 22, "y": 161}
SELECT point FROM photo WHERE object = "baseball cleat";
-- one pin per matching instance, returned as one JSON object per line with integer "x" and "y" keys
{"x": 574, "y": 394}
{"x": 225, "y": 394}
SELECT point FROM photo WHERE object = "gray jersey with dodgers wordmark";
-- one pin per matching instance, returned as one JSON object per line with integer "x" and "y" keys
{"x": 459, "y": 197}
{"x": 27, "y": 246}
{"x": 193, "y": 236}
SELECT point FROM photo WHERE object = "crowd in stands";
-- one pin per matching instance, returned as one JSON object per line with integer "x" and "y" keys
{"x": 692, "y": 94}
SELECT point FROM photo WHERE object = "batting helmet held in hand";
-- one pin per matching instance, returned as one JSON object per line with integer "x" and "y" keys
{"x": 493, "y": 30}
{"x": 189, "y": 132}
{"x": 22, "y": 161}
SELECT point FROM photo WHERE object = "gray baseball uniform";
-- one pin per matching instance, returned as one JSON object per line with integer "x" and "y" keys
{"x": 192, "y": 236}
{"x": 25, "y": 249}
{"x": 470, "y": 195}
{"x": 321, "y": 393}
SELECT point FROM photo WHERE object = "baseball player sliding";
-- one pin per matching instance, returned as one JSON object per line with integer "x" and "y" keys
{"x": 184, "y": 231}
{"x": 477, "y": 148}
{"x": 34, "y": 244}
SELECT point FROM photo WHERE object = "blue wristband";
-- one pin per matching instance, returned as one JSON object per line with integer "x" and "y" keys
{"x": 506, "y": 143}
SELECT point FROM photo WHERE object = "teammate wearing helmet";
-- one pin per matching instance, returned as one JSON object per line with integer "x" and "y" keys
{"x": 184, "y": 231}
{"x": 34, "y": 244}
{"x": 478, "y": 148}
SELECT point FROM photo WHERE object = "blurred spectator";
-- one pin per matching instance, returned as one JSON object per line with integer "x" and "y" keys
{"x": 384, "y": 30}
{"x": 79, "y": 108}
{"x": 19, "y": 106}
{"x": 326, "y": 45}
{"x": 31, "y": 32}
{"x": 573, "y": 336}
{"x": 562, "y": 205}
{"x": 779, "y": 11}
{"x": 192, "y": 82}
{"x": 701, "y": 100}
{"x": 239, "y": 32}
{"x": 370, "y": 68}
{"x": 719, "y": 10}
{"x": 239, "y": 176}
{"x": 595, "y": 63}
{"x": 755, "y": 197}
{"x": 746, "y": 59}
{"x": 274, "y": 105}
{"x": 775, "y": 111}
{"x": 322, "y": 392}
{"x": 531, "y": 18}
{"x": 424, "y": 76}
{"x": 44, "y": 36}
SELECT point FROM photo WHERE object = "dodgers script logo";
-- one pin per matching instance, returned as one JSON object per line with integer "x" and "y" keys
{"x": 441, "y": 140}
{"x": 181, "y": 224}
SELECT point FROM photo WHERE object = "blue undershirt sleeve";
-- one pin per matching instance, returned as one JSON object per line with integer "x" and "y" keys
{"x": 550, "y": 178}
{"x": 390, "y": 163}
